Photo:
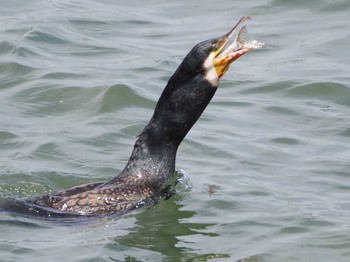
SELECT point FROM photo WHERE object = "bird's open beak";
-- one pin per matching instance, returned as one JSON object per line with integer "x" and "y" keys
{"x": 231, "y": 46}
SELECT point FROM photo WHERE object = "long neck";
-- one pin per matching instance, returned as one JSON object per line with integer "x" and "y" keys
{"x": 151, "y": 161}
{"x": 182, "y": 102}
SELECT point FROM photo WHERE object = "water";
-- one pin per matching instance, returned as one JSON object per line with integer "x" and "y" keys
{"x": 268, "y": 161}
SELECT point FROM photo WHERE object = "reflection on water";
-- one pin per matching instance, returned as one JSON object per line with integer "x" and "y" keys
{"x": 165, "y": 230}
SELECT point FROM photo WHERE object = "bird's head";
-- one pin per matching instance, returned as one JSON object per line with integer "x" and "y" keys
{"x": 213, "y": 57}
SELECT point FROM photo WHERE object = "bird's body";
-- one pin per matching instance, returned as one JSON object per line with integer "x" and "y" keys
{"x": 152, "y": 163}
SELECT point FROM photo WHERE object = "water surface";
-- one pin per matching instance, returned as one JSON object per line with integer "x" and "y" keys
{"x": 268, "y": 161}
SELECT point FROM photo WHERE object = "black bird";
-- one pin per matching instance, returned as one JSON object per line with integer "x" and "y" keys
{"x": 152, "y": 163}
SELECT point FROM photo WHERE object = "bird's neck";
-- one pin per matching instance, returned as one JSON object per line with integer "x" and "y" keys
{"x": 179, "y": 107}
{"x": 152, "y": 159}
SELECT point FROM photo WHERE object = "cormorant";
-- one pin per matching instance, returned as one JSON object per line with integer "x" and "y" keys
{"x": 152, "y": 162}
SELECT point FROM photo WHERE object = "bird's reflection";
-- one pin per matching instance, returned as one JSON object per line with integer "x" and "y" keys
{"x": 160, "y": 228}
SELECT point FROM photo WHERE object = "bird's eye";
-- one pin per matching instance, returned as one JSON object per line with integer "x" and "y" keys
{"x": 215, "y": 47}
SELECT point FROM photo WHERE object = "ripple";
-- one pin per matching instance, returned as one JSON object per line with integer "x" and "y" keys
{"x": 91, "y": 22}
{"x": 328, "y": 91}
{"x": 13, "y": 74}
{"x": 43, "y": 36}
{"x": 13, "y": 143}
{"x": 268, "y": 88}
{"x": 345, "y": 132}
{"x": 286, "y": 141}
{"x": 51, "y": 99}
{"x": 284, "y": 110}
{"x": 9, "y": 69}
{"x": 48, "y": 151}
{"x": 293, "y": 230}
{"x": 22, "y": 224}
{"x": 119, "y": 96}
{"x": 6, "y": 47}
{"x": 62, "y": 75}
{"x": 6, "y": 136}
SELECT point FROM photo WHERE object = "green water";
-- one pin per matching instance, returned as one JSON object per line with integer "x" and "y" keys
{"x": 268, "y": 161}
